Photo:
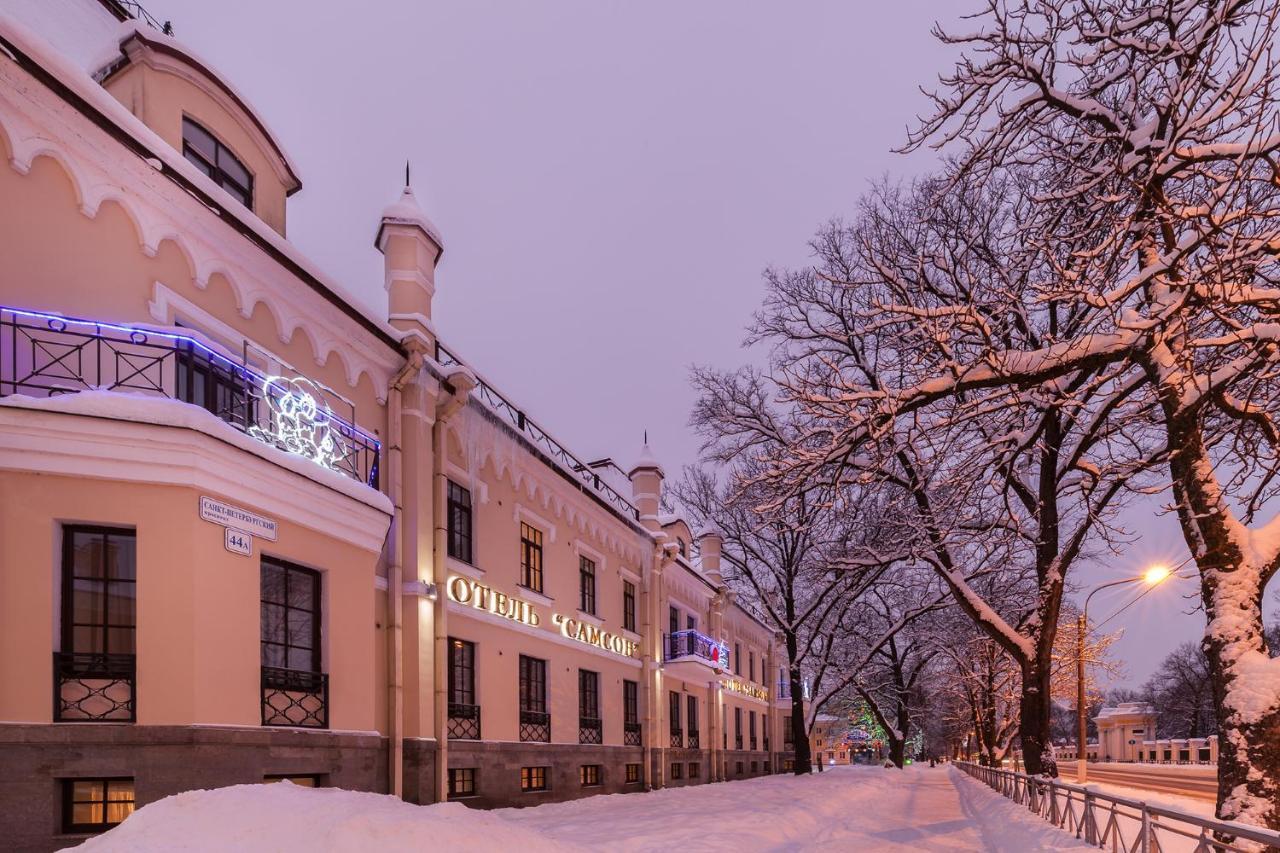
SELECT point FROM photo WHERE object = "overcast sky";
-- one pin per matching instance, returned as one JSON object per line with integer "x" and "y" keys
{"x": 610, "y": 180}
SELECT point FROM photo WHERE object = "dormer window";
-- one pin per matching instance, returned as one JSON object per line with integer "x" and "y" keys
{"x": 216, "y": 160}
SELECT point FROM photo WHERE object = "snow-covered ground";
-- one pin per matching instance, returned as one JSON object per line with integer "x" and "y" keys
{"x": 847, "y": 808}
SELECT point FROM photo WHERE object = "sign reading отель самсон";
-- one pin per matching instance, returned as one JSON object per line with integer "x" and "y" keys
{"x": 480, "y": 597}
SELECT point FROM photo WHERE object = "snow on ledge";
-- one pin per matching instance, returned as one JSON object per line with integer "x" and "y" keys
{"x": 164, "y": 411}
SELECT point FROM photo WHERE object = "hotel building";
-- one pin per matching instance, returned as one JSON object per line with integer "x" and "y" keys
{"x": 250, "y": 531}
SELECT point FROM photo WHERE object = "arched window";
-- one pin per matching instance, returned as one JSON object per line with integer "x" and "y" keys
{"x": 216, "y": 160}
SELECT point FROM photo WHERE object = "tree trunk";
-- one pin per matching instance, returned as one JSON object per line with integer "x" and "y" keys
{"x": 799, "y": 732}
{"x": 1034, "y": 716}
{"x": 897, "y": 751}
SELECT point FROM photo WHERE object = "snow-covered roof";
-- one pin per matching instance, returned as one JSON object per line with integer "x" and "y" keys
{"x": 406, "y": 211}
{"x": 646, "y": 461}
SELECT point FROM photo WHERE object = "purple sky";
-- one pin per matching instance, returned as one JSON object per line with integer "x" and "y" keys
{"x": 610, "y": 179}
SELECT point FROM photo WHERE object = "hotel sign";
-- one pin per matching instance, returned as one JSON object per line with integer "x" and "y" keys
{"x": 480, "y": 597}
{"x": 746, "y": 688}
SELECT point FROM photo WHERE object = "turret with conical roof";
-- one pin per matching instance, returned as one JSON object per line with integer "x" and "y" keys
{"x": 411, "y": 247}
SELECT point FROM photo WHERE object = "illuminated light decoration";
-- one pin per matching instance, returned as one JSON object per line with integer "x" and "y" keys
{"x": 476, "y": 595}
{"x": 583, "y": 632}
{"x": 300, "y": 421}
{"x": 139, "y": 335}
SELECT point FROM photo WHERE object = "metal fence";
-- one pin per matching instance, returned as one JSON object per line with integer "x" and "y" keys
{"x": 1117, "y": 823}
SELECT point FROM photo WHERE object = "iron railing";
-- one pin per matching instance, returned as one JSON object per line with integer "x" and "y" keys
{"x": 556, "y": 452}
{"x": 631, "y": 734}
{"x": 677, "y": 738}
{"x": 694, "y": 644}
{"x": 296, "y": 698}
{"x": 464, "y": 721}
{"x": 44, "y": 355}
{"x": 737, "y": 741}
{"x": 535, "y": 726}
{"x": 1118, "y": 823}
{"x": 89, "y": 687}
{"x": 590, "y": 730}
{"x": 135, "y": 10}
{"x": 694, "y": 740}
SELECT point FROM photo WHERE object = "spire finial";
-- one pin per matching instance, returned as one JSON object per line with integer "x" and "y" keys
{"x": 406, "y": 174}
{"x": 646, "y": 436}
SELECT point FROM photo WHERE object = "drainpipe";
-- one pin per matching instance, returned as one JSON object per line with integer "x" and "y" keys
{"x": 458, "y": 385}
{"x": 664, "y": 555}
{"x": 395, "y": 582}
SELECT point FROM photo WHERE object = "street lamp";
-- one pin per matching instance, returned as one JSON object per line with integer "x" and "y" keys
{"x": 1151, "y": 577}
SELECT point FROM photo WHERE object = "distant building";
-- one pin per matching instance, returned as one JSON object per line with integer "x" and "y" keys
{"x": 1126, "y": 733}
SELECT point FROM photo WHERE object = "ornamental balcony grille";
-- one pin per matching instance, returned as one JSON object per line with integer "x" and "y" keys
{"x": 677, "y": 739}
{"x": 696, "y": 645}
{"x": 737, "y": 741}
{"x": 45, "y": 355}
{"x": 754, "y": 744}
{"x": 295, "y": 698}
{"x": 590, "y": 730}
{"x": 89, "y": 687}
{"x": 694, "y": 740}
{"x": 631, "y": 734}
{"x": 535, "y": 726}
{"x": 464, "y": 721}
{"x": 766, "y": 743}
{"x": 555, "y": 453}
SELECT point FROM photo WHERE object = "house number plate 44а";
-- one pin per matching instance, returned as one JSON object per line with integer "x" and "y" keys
{"x": 239, "y": 542}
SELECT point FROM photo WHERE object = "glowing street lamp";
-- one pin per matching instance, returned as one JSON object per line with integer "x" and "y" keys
{"x": 1152, "y": 577}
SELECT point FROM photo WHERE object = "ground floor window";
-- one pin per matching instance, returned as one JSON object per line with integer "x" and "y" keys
{"x": 633, "y": 774}
{"x": 789, "y": 765}
{"x": 677, "y": 771}
{"x": 695, "y": 770}
{"x": 462, "y": 781}
{"x": 738, "y": 768}
{"x": 767, "y": 768}
{"x": 306, "y": 780}
{"x": 95, "y": 805}
{"x": 755, "y": 767}
{"x": 589, "y": 775}
{"x": 533, "y": 778}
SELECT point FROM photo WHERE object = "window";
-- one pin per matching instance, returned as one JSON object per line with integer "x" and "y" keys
{"x": 767, "y": 767}
{"x": 677, "y": 770}
{"x": 216, "y": 160}
{"x": 290, "y": 616}
{"x": 755, "y": 767}
{"x": 99, "y": 578}
{"x": 462, "y": 672}
{"x": 530, "y": 557}
{"x": 95, "y": 805}
{"x": 589, "y": 775}
{"x": 628, "y": 606}
{"x": 737, "y": 659}
{"x": 692, "y": 721}
{"x": 751, "y": 665}
{"x": 738, "y": 767}
{"x": 462, "y": 782}
{"x": 590, "y": 728}
{"x": 789, "y": 765}
{"x": 630, "y": 703}
{"x": 695, "y": 769}
{"x": 673, "y": 619}
{"x": 677, "y": 736}
{"x": 533, "y": 684}
{"x": 533, "y": 779}
{"x": 586, "y": 585}
{"x": 309, "y": 780}
{"x": 459, "y": 519}
{"x": 214, "y": 385}
{"x": 691, "y": 622}
{"x": 633, "y": 774}
{"x": 751, "y": 730}
{"x": 764, "y": 727}
{"x": 737, "y": 728}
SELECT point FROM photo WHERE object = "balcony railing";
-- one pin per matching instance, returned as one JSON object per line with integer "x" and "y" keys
{"x": 590, "y": 730}
{"x": 296, "y": 698}
{"x": 631, "y": 734}
{"x": 694, "y": 741}
{"x": 677, "y": 738}
{"x": 737, "y": 742}
{"x": 43, "y": 355}
{"x": 541, "y": 439}
{"x": 754, "y": 744}
{"x": 464, "y": 721}
{"x": 94, "y": 688}
{"x": 692, "y": 644}
{"x": 535, "y": 726}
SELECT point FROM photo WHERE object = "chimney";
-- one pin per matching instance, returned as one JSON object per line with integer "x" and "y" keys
{"x": 411, "y": 248}
{"x": 646, "y": 487}
{"x": 710, "y": 544}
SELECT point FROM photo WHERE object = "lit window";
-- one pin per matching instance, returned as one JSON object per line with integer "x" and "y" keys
{"x": 589, "y": 775}
{"x": 462, "y": 782}
{"x": 633, "y": 774}
{"x": 95, "y": 805}
{"x": 216, "y": 160}
{"x": 533, "y": 779}
{"x": 530, "y": 557}
{"x": 586, "y": 585}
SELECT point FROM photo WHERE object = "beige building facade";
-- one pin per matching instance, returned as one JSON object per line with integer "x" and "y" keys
{"x": 252, "y": 531}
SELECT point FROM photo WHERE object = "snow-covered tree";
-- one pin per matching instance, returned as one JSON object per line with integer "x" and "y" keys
{"x": 1181, "y": 690}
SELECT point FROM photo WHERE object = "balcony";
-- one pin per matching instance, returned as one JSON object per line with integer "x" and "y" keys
{"x": 590, "y": 730}
{"x": 535, "y": 726}
{"x": 295, "y": 698}
{"x": 631, "y": 734}
{"x": 690, "y": 654}
{"x": 44, "y": 355}
{"x": 464, "y": 721}
{"x": 94, "y": 688}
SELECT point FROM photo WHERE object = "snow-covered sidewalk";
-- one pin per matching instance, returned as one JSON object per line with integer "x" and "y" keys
{"x": 847, "y": 808}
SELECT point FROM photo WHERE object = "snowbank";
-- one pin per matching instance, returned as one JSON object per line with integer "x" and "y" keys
{"x": 164, "y": 411}
{"x": 846, "y": 808}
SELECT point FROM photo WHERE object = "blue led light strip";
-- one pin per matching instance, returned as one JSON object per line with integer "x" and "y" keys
{"x": 146, "y": 333}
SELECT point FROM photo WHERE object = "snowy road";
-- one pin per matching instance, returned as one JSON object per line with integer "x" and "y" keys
{"x": 848, "y": 808}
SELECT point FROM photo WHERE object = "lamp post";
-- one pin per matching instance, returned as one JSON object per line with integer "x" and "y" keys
{"x": 1152, "y": 576}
